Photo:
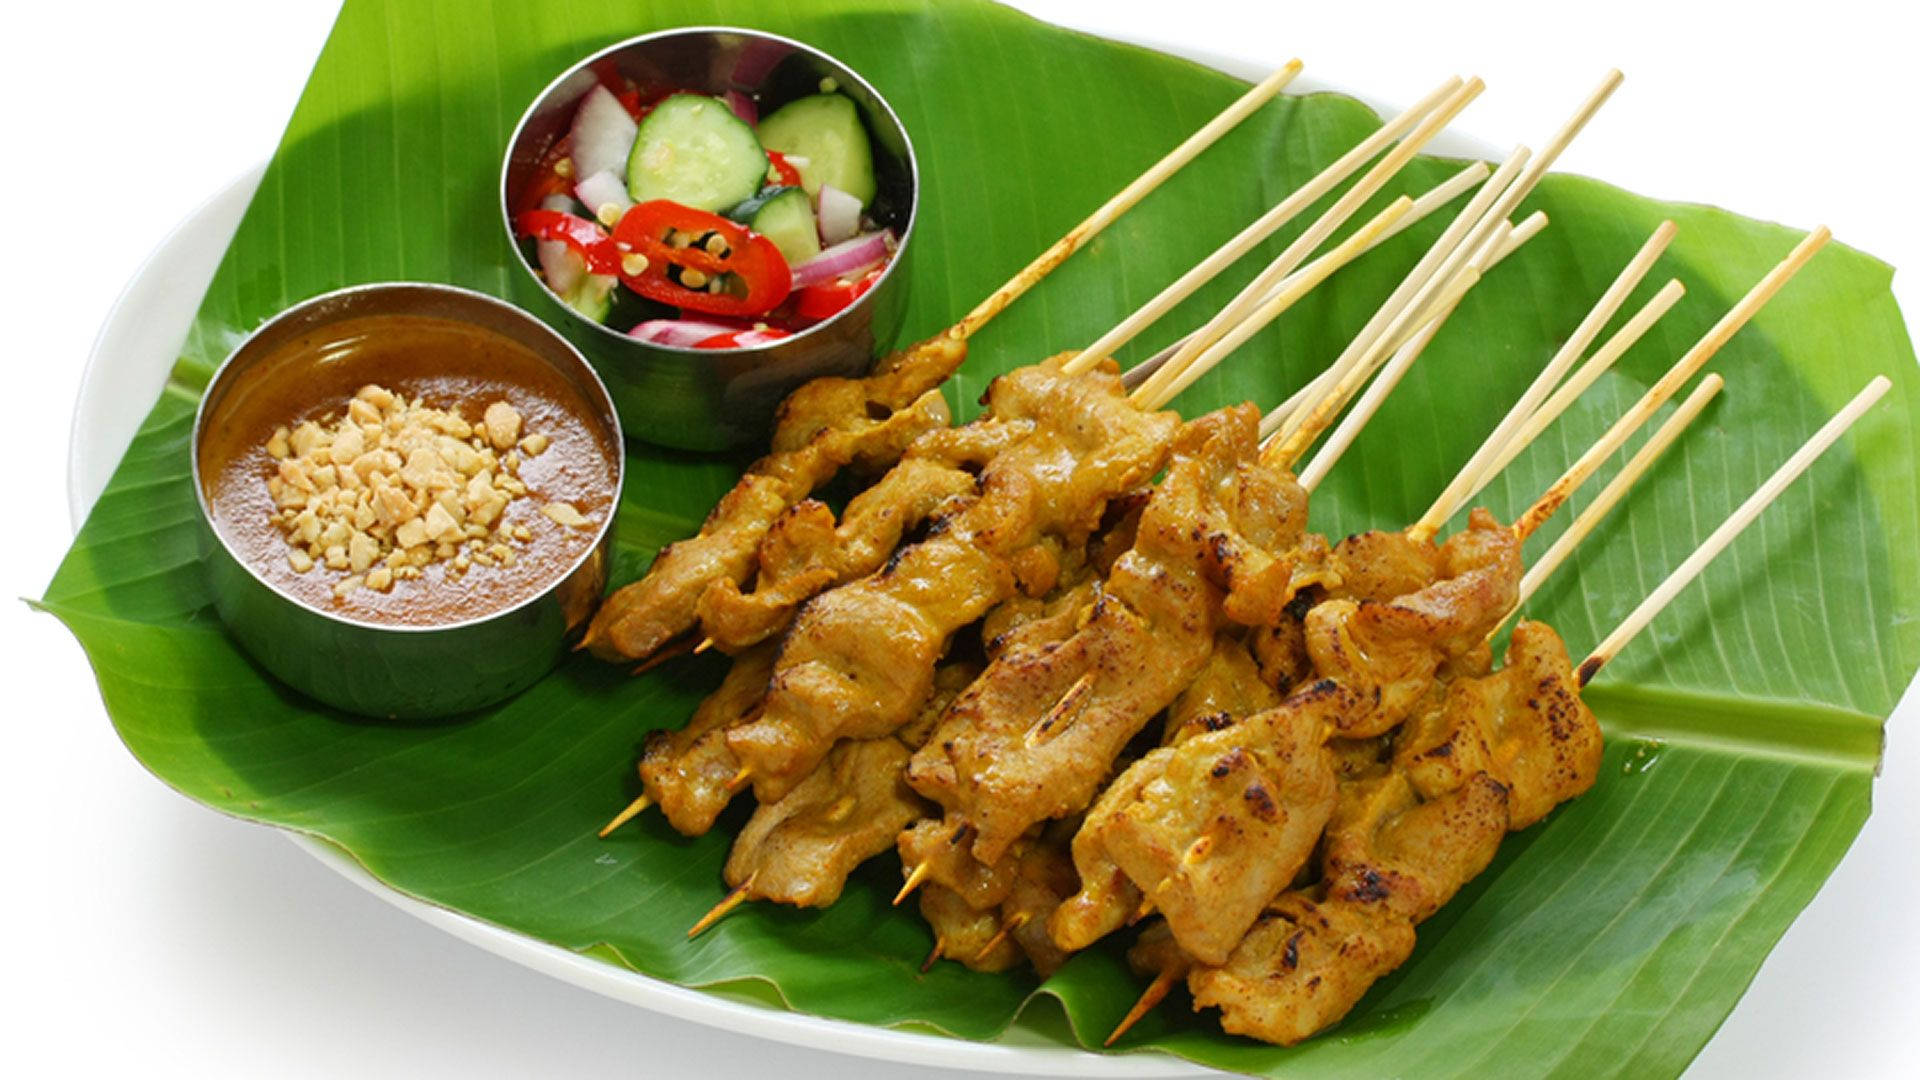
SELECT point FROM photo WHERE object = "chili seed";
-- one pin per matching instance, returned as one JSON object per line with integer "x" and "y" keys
{"x": 693, "y": 279}
{"x": 633, "y": 264}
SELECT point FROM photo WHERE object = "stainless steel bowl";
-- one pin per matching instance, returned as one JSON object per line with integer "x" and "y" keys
{"x": 703, "y": 399}
{"x": 402, "y": 672}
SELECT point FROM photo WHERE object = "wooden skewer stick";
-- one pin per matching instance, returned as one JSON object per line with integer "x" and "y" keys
{"x": 1569, "y": 354}
{"x": 1300, "y": 427}
{"x": 1316, "y": 234}
{"x": 933, "y": 957}
{"x": 1597, "y": 365}
{"x": 1435, "y": 198}
{"x": 1124, "y": 200}
{"x": 1390, "y": 376}
{"x": 1512, "y": 242}
{"x": 1173, "y": 382}
{"x": 719, "y": 911}
{"x": 1264, "y": 226}
{"x": 632, "y": 811}
{"x": 1615, "y": 490}
{"x": 1156, "y": 992}
{"x": 1756, "y": 503}
{"x": 1008, "y": 927}
{"x": 1670, "y": 383}
{"x": 1393, "y": 320}
{"x": 914, "y": 880}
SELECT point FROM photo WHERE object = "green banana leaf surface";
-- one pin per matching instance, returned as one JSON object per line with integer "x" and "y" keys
{"x": 1744, "y": 727}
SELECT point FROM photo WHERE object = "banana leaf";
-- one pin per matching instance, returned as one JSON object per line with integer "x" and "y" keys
{"x": 1744, "y": 728}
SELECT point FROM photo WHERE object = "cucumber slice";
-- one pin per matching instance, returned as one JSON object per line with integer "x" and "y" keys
{"x": 784, "y": 216}
{"x": 693, "y": 150}
{"x": 592, "y": 296}
{"x": 825, "y": 132}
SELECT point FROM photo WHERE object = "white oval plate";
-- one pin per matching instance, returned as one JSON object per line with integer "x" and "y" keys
{"x": 129, "y": 363}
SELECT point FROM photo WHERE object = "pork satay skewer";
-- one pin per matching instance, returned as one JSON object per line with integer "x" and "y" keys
{"x": 1583, "y": 337}
{"x": 1542, "y": 799}
{"x": 825, "y": 424}
{"x": 1251, "y": 296}
{"x": 873, "y": 523}
{"x": 1263, "y": 227}
{"x": 919, "y": 873}
{"x": 1367, "y": 237}
{"x": 1300, "y": 280}
{"x": 1743, "y": 516}
{"x": 1616, "y": 489}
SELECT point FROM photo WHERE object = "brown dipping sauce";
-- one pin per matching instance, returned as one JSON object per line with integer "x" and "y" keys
{"x": 445, "y": 364}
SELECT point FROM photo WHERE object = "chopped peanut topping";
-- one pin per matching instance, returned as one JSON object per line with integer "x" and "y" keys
{"x": 394, "y": 486}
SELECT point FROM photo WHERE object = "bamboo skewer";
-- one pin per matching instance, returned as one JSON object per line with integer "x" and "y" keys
{"x": 1671, "y": 382}
{"x": 1384, "y": 383}
{"x": 1124, "y": 200}
{"x": 632, "y": 811}
{"x": 1392, "y": 319}
{"x": 1006, "y": 928}
{"x": 1435, "y": 198}
{"x": 1363, "y": 189}
{"x": 914, "y": 880}
{"x": 733, "y": 899}
{"x": 1264, "y": 226}
{"x": 1569, "y": 354}
{"x": 1295, "y": 438}
{"x": 1520, "y": 234}
{"x": 1742, "y": 517}
{"x": 1531, "y": 428}
{"x": 1156, "y": 991}
{"x": 1174, "y": 381}
{"x": 1616, "y": 489}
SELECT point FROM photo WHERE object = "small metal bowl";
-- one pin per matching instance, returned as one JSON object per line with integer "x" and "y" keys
{"x": 706, "y": 399}
{"x": 402, "y": 671}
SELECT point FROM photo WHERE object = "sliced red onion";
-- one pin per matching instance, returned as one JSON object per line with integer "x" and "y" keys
{"x": 603, "y": 133}
{"x": 843, "y": 258}
{"x": 749, "y": 339}
{"x": 742, "y": 106}
{"x": 839, "y": 214}
{"x": 680, "y": 333}
{"x": 560, "y": 265}
{"x": 602, "y": 189}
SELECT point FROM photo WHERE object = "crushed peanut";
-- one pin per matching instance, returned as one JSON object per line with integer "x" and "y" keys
{"x": 393, "y": 486}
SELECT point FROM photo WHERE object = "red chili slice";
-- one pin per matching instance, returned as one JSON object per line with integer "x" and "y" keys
{"x": 830, "y": 298}
{"x": 747, "y": 256}
{"x": 783, "y": 170}
{"x": 585, "y": 238}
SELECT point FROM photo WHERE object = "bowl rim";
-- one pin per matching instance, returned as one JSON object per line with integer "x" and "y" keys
{"x": 912, "y": 162}
{"x": 609, "y": 416}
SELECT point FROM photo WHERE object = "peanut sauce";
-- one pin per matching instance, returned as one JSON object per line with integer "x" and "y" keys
{"x": 445, "y": 364}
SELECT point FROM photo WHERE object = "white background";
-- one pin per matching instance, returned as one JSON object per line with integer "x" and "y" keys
{"x": 145, "y": 933}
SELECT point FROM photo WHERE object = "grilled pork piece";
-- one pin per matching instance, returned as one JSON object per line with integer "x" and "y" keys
{"x": 1525, "y": 725}
{"x": 963, "y": 933}
{"x": 1389, "y": 653}
{"x": 689, "y": 772}
{"x": 1211, "y": 829}
{"x": 1228, "y": 687}
{"x": 1037, "y": 735}
{"x": 799, "y": 850}
{"x": 1494, "y": 756}
{"x": 823, "y": 426}
{"x": 859, "y": 658}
